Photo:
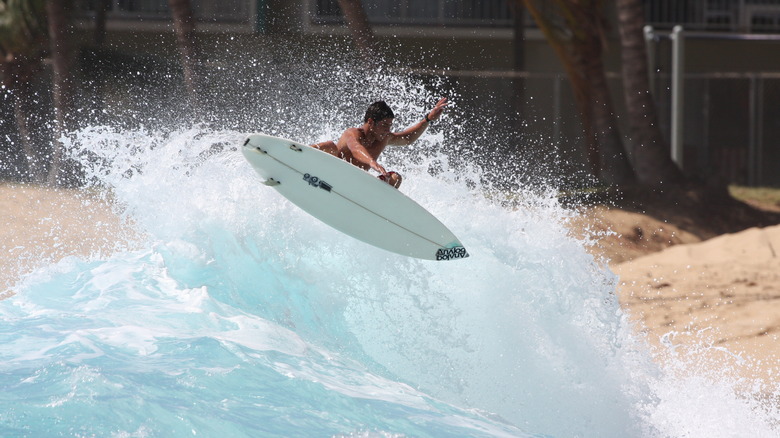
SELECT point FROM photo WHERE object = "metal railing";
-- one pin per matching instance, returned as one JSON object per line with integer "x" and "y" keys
{"x": 758, "y": 16}
{"x": 732, "y": 120}
{"x": 228, "y": 11}
{"x": 494, "y": 13}
{"x": 715, "y": 15}
{"x": 731, "y": 126}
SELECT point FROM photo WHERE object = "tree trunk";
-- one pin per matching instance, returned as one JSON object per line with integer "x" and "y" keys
{"x": 519, "y": 66}
{"x": 57, "y": 12}
{"x": 22, "y": 40}
{"x": 650, "y": 153}
{"x": 17, "y": 77}
{"x": 578, "y": 40}
{"x": 184, "y": 24}
{"x": 614, "y": 167}
{"x": 579, "y": 86}
{"x": 101, "y": 8}
{"x": 357, "y": 20}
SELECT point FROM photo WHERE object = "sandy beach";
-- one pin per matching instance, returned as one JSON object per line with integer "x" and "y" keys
{"x": 41, "y": 225}
{"x": 722, "y": 293}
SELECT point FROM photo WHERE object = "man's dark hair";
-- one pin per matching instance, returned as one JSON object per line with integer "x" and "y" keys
{"x": 378, "y": 111}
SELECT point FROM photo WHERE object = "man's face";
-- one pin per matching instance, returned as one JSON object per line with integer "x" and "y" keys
{"x": 382, "y": 128}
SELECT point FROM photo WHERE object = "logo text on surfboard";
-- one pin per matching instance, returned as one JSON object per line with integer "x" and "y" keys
{"x": 316, "y": 182}
{"x": 458, "y": 252}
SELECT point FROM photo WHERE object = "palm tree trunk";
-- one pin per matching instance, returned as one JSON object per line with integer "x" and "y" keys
{"x": 580, "y": 48}
{"x": 519, "y": 66}
{"x": 57, "y": 12}
{"x": 357, "y": 20}
{"x": 36, "y": 169}
{"x": 100, "y": 21}
{"x": 579, "y": 86}
{"x": 650, "y": 153}
{"x": 614, "y": 167}
{"x": 184, "y": 23}
{"x": 22, "y": 41}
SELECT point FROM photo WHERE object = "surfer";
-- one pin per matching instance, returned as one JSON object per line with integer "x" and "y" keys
{"x": 362, "y": 146}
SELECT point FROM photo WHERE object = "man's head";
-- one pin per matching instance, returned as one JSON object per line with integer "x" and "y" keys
{"x": 378, "y": 111}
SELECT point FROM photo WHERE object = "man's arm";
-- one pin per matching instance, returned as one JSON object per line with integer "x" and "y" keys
{"x": 360, "y": 153}
{"x": 412, "y": 133}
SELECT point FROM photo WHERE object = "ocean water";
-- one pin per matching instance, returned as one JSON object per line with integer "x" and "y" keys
{"x": 232, "y": 313}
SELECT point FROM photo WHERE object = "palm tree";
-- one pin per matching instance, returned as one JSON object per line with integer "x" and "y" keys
{"x": 22, "y": 39}
{"x": 650, "y": 156}
{"x": 576, "y": 31}
{"x": 357, "y": 20}
{"x": 184, "y": 23}
{"x": 519, "y": 65}
{"x": 101, "y": 8}
{"x": 62, "y": 61}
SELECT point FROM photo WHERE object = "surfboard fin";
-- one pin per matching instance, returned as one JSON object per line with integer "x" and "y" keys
{"x": 271, "y": 182}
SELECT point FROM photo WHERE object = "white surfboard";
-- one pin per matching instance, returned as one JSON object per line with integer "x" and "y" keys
{"x": 350, "y": 199}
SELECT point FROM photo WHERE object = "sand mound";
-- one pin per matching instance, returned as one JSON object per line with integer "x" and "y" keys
{"x": 724, "y": 291}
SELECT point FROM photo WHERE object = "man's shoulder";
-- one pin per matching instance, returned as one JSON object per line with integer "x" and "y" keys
{"x": 355, "y": 133}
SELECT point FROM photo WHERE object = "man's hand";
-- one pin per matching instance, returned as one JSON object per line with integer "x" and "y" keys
{"x": 438, "y": 109}
{"x": 378, "y": 167}
{"x": 412, "y": 133}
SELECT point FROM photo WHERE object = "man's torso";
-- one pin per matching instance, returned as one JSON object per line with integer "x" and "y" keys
{"x": 374, "y": 148}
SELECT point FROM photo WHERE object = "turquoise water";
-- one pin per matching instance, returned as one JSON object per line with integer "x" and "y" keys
{"x": 236, "y": 314}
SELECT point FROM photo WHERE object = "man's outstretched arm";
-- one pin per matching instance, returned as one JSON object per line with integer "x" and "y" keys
{"x": 412, "y": 133}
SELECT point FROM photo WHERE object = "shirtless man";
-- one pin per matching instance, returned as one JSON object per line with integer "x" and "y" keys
{"x": 362, "y": 146}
